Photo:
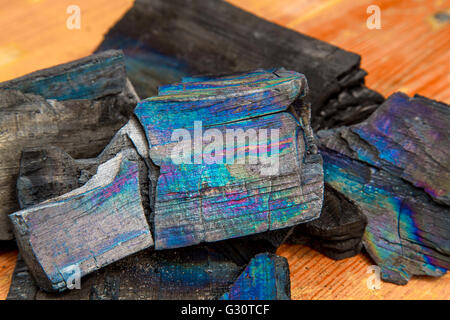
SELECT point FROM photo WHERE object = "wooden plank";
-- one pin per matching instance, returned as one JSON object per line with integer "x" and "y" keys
{"x": 317, "y": 277}
{"x": 8, "y": 257}
{"x": 411, "y": 44}
{"x": 43, "y": 40}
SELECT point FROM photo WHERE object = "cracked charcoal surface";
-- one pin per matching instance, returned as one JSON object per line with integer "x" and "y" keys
{"x": 395, "y": 165}
{"x": 95, "y": 204}
{"x": 206, "y": 203}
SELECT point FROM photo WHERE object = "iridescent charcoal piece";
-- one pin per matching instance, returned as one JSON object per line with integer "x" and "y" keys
{"x": 234, "y": 159}
{"x": 76, "y": 106}
{"x": 160, "y": 50}
{"x": 86, "y": 229}
{"x": 92, "y": 77}
{"x": 105, "y": 207}
{"x": 265, "y": 278}
{"x": 396, "y": 167}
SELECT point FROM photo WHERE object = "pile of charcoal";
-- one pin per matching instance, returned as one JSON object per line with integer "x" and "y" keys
{"x": 189, "y": 193}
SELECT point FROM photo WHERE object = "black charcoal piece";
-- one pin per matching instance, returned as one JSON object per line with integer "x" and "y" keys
{"x": 80, "y": 117}
{"x": 165, "y": 40}
{"x": 339, "y": 230}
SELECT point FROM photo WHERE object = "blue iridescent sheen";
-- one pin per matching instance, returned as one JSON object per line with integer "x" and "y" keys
{"x": 390, "y": 166}
{"x": 264, "y": 278}
{"x": 198, "y": 202}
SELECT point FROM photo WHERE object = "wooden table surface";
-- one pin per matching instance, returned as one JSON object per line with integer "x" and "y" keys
{"x": 410, "y": 53}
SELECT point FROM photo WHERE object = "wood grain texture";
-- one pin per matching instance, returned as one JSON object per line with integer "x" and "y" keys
{"x": 42, "y": 38}
{"x": 8, "y": 257}
{"x": 409, "y": 54}
{"x": 315, "y": 276}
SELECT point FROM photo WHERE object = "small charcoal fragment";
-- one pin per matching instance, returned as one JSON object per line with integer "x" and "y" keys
{"x": 339, "y": 230}
{"x": 396, "y": 167}
{"x": 265, "y": 278}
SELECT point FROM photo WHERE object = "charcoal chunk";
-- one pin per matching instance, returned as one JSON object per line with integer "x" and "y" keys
{"x": 165, "y": 40}
{"x": 395, "y": 166}
{"x": 79, "y": 115}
